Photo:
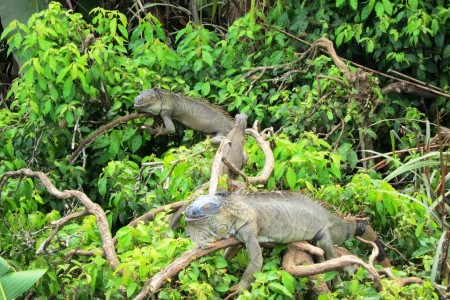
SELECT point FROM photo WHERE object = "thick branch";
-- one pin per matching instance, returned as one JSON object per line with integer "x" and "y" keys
{"x": 413, "y": 89}
{"x": 93, "y": 208}
{"x": 86, "y": 142}
{"x": 160, "y": 278}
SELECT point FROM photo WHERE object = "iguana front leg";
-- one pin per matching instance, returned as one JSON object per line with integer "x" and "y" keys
{"x": 166, "y": 129}
{"x": 248, "y": 235}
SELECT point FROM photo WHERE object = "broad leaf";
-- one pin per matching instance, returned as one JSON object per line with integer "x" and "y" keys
{"x": 17, "y": 283}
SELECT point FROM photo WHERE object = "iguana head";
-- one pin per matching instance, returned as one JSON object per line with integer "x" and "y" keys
{"x": 149, "y": 101}
{"x": 207, "y": 221}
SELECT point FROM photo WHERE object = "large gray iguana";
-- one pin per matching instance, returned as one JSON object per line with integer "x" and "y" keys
{"x": 279, "y": 217}
{"x": 193, "y": 113}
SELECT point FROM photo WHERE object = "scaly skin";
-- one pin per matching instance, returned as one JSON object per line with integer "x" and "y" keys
{"x": 193, "y": 113}
{"x": 279, "y": 217}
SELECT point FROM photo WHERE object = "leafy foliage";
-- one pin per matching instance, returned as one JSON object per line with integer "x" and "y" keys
{"x": 14, "y": 284}
{"x": 77, "y": 75}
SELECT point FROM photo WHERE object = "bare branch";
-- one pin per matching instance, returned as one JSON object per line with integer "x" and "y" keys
{"x": 375, "y": 250}
{"x": 413, "y": 89}
{"x": 160, "y": 278}
{"x": 270, "y": 160}
{"x": 91, "y": 207}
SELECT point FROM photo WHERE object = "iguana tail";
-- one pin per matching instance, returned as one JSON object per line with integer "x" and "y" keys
{"x": 366, "y": 232}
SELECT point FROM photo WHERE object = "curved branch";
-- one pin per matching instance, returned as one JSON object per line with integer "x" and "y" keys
{"x": 58, "y": 224}
{"x": 160, "y": 278}
{"x": 270, "y": 160}
{"x": 91, "y": 207}
{"x": 86, "y": 142}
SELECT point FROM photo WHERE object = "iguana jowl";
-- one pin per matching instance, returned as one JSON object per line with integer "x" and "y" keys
{"x": 193, "y": 113}
{"x": 279, "y": 217}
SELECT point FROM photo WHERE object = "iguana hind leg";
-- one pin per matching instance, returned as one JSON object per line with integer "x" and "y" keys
{"x": 324, "y": 241}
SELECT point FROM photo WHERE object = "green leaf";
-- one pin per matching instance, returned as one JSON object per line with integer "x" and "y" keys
{"x": 388, "y": 8}
{"x": 205, "y": 88}
{"x": 102, "y": 186}
{"x": 330, "y": 115}
{"x": 339, "y": 38}
{"x": 68, "y": 85}
{"x": 197, "y": 66}
{"x": 288, "y": 281}
{"x": 330, "y": 275}
{"x": 446, "y": 52}
{"x": 379, "y": 9}
{"x": 367, "y": 10}
{"x": 434, "y": 26}
{"x": 280, "y": 289}
{"x": 339, "y": 3}
{"x": 136, "y": 143}
{"x": 291, "y": 178}
{"x": 4, "y": 266}
{"x": 207, "y": 58}
{"x": 413, "y": 4}
{"x": 353, "y": 4}
{"x": 62, "y": 74}
{"x": 17, "y": 283}
{"x": 34, "y": 107}
{"x": 111, "y": 169}
{"x": 114, "y": 143}
{"x": 113, "y": 26}
{"x": 370, "y": 46}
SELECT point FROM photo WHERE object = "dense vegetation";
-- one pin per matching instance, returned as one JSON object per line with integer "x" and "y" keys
{"x": 382, "y": 154}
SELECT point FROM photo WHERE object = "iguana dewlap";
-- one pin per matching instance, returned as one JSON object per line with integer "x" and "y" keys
{"x": 194, "y": 113}
{"x": 279, "y": 217}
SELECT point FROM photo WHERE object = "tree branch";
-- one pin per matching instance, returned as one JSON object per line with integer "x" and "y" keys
{"x": 86, "y": 142}
{"x": 160, "y": 278}
{"x": 91, "y": 207}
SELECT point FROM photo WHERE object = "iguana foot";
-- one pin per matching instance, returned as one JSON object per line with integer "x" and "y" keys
{"x": 217, "y": 139}
{"x": 235, "y": 291}
{"x": 156, "y": 130}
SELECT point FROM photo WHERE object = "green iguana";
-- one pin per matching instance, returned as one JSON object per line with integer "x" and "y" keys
{"x": 279, "y": 217}
{"x": 193, "y": 113}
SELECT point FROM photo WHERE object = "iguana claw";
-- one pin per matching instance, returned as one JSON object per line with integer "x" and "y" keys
{"x": 156, "y": 130}
{"x": 236, "y": 290}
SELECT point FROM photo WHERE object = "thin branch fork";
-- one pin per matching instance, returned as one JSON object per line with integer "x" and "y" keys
{"x": 86, "y": 142}
{"x": 268, "y": 165}
{"x": 91, "y": 207}
{"x": 405, "y": 84}
{"x": 270, "y": 160}
{"x": 58, "y": 224}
